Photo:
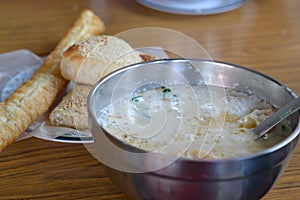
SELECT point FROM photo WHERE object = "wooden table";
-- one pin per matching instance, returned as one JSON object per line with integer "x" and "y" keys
{"x": 263, "y": 35}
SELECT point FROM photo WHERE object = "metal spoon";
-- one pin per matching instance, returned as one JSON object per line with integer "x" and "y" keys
{"x": 283, "y": 112}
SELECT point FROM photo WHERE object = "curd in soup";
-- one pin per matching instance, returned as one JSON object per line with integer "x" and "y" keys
{"x": 192, "y": 121}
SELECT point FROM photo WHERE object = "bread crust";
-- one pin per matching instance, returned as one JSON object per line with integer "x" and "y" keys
{"x": 35, "y": 96}
{"x": 72, "y": 110}
{"x": 90, "y": 59}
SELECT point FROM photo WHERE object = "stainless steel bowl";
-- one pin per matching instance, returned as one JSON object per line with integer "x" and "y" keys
{"x": 248, "y": 177}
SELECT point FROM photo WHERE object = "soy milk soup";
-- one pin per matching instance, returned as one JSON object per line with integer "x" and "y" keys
{"x": 183, "y": 120}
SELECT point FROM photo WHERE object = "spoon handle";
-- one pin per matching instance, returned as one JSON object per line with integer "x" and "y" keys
{"x": 277, "y": 117}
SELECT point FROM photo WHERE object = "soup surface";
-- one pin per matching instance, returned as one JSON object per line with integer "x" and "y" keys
{"x": 191, "y": 121}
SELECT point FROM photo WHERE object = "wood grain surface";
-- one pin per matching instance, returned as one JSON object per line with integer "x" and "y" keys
{"x": 263, "y": 35}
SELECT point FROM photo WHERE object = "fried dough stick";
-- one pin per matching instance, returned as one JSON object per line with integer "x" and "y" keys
{"x": 35, "y": 96}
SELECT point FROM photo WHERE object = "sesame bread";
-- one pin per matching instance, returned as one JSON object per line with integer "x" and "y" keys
{"x": 90, "y": 59}
{"x": 72, "y": 110}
